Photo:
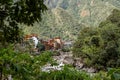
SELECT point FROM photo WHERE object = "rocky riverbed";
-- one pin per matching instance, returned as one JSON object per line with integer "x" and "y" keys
{"x": 66, "y": 58}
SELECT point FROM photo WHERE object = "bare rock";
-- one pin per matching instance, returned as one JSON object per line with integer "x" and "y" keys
{"x": 78, "y": 63}
{"x": 68, "y": 60}
{"x": 91, "y": 70}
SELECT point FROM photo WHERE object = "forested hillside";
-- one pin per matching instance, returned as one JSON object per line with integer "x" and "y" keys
{"x": 88, "y": 12}
{"x": 65, "y": 18}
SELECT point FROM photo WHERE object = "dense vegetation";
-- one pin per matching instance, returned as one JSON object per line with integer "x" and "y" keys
{"x": 88, "y": 12}
{"x": 55, "y": 23}
{"x": 24, "y": 66}
{"x": 66, "y": 17}
{"x": 13, "y": 12}
{"x": 100, "y": 47}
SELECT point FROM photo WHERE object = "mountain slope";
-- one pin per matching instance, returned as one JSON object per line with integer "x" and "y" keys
{"x": 88, "y": 12}
{"x": 65, "y": 18}
{"x": 56, "y": 22}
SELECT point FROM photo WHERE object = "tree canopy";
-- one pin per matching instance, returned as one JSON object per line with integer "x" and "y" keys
{"x": 13, "y": 12}
{"x": 100, "y": 46}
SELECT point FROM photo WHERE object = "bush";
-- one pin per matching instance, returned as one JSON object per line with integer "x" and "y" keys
{"x": 22, "y": 66}
{"x": 113, "y": 73}
{"x": 65, "y": 74}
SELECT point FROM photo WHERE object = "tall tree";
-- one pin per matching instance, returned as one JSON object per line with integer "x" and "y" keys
{"x": 13, "y": 12}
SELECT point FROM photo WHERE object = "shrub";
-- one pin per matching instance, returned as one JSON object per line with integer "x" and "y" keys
{"x": 114, "y": 73}
{"x": 65, "y": 74}
{"x": 22, "y": 66}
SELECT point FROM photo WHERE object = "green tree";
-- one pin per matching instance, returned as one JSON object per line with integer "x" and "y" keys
{"x": 13, "y": 12}
{"x": 100, "y": 47}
